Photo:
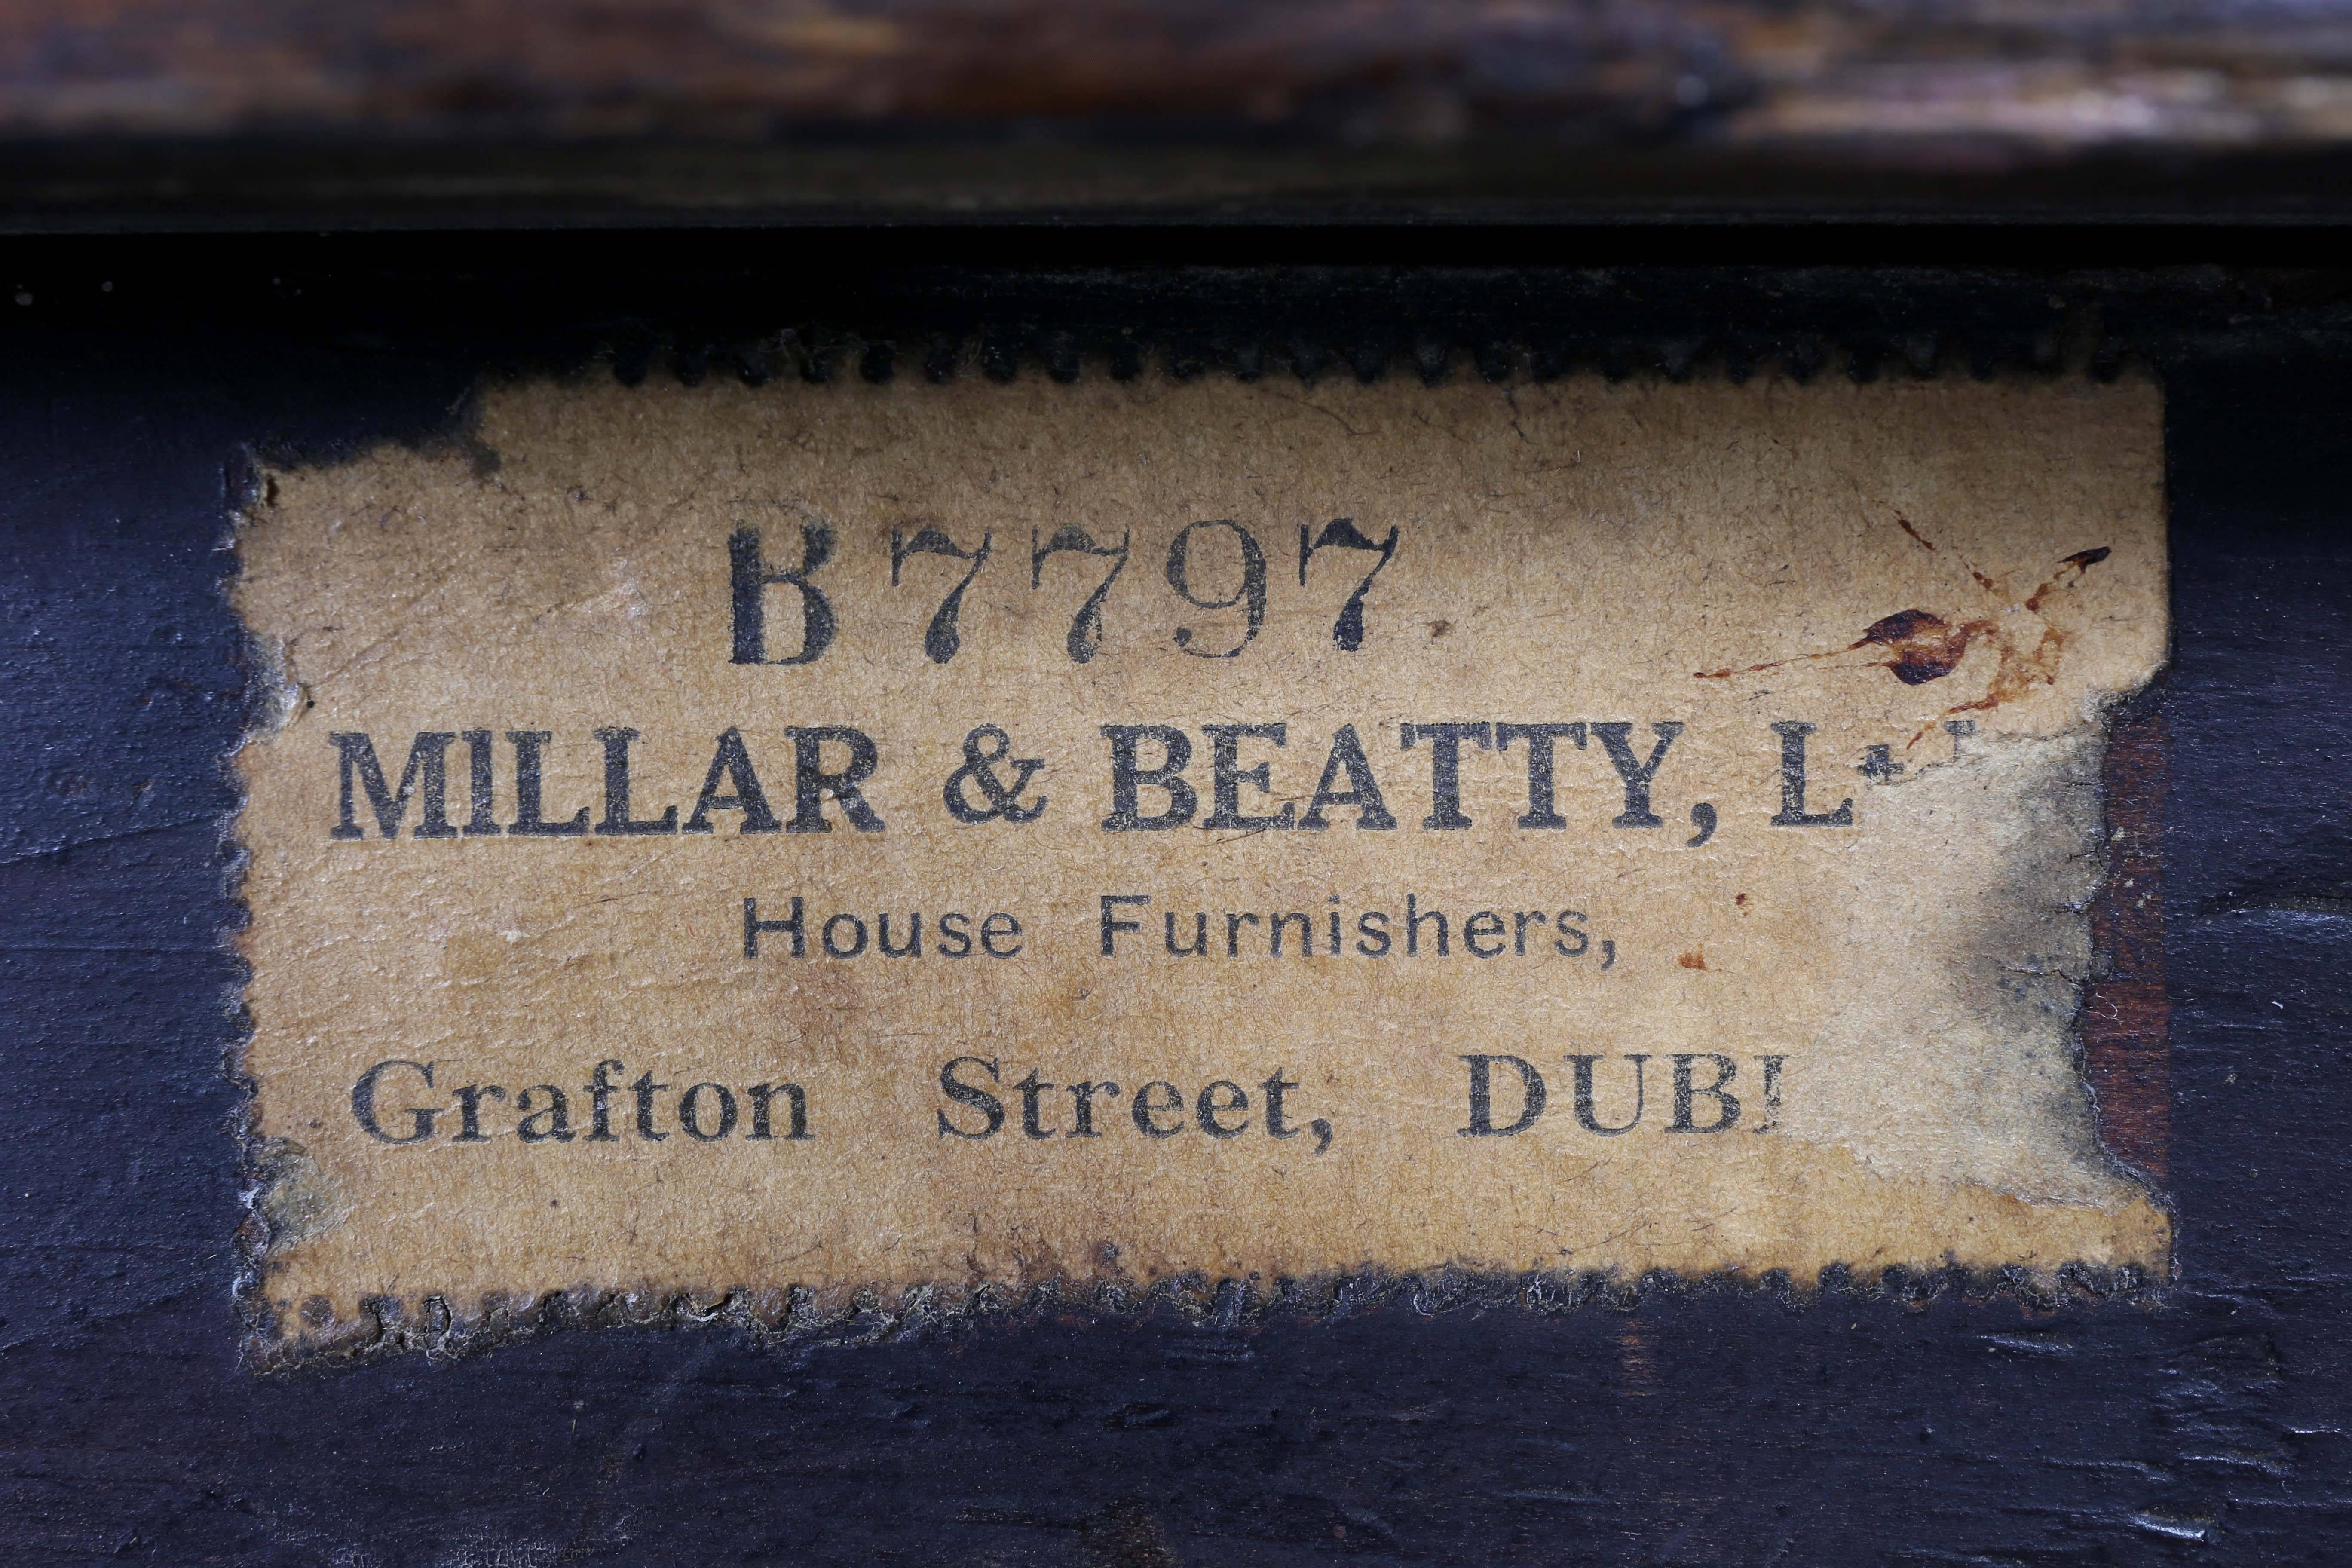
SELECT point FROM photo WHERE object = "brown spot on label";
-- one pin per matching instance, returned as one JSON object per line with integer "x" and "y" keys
{"x": 1925, "y": 645}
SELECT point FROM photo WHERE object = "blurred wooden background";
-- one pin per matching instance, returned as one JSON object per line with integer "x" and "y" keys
{"x": 177, "y": 112}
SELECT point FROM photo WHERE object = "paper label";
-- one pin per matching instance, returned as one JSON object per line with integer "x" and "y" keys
{"x": 819, "y": 838}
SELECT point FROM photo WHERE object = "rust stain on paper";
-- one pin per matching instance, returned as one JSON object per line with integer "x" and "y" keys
{"x": 840, "y": 840}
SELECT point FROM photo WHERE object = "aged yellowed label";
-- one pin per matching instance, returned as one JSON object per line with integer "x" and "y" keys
{"x": 832, "y": 837}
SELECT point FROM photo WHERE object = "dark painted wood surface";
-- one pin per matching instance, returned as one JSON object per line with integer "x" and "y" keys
{"x": 1906, "y": 1421}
